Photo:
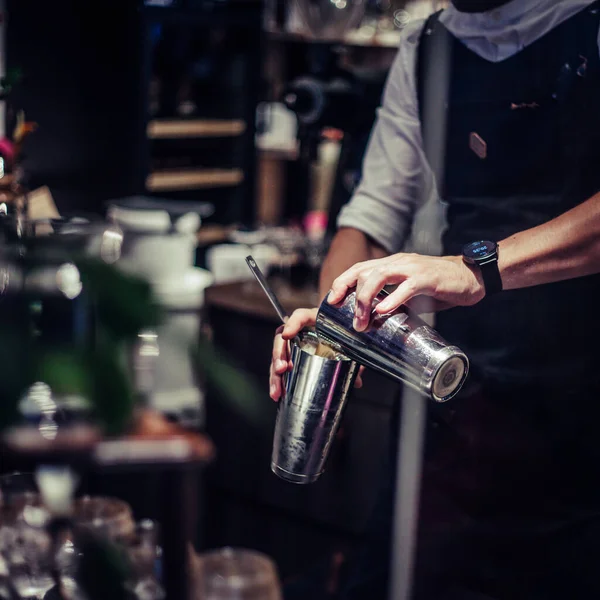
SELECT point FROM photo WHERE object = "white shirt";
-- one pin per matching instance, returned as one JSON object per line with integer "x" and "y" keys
{"x": 396, "y": 202}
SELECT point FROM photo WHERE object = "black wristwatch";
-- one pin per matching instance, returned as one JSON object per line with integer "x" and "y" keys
{"x": 484, "y": 255}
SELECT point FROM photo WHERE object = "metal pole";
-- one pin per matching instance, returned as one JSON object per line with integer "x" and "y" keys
{"x": 408, "y": 483}
{"x": 411, "y": 430}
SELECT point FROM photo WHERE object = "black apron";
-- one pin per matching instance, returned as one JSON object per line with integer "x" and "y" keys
{"x": 530, "y": 410}
{"x": 510, "y": 503}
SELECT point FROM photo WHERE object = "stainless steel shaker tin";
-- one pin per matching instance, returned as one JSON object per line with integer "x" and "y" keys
{"x": 309, "y": 414}
{"x": 399, "y": 345}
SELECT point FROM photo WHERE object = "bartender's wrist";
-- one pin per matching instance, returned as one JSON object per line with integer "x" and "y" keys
{"x": 475, "y": 286}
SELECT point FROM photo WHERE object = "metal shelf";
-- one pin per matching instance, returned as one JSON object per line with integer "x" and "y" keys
{"x": 194, "y": 128}
{"x": 173, "y": 180}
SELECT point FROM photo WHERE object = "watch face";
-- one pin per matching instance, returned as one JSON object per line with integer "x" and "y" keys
{"x": 476, "y": 251}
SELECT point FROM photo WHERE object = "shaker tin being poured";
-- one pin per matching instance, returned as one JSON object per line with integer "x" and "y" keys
{"x": 399, "y": 345}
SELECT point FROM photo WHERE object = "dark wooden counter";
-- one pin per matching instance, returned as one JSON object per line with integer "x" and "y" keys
{"x": 248, "y": 298}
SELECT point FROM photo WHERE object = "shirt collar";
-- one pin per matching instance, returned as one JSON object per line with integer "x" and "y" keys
{"x": 497, "y": 18}
{"x": 501, "y": 32}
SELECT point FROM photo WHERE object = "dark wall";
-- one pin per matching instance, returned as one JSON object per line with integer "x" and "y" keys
{"x": 83, "y": 65}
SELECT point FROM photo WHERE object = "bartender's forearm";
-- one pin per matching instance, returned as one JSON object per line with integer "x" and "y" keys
{"x": 349, "y": 246}
{"x": 564, "y": 248}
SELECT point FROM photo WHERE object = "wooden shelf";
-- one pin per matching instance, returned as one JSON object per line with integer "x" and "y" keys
{"x": 152, "y": 441}
{"x": 194, "y": 128}
{"x": 390, "y": 40}
{"x": 278, "y": 154}
{"x": 173, "y": 180}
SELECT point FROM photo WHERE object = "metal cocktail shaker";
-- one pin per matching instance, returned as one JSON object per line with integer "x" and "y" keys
{"x": 309, "y": 414}
{"x": 399, "y": 345}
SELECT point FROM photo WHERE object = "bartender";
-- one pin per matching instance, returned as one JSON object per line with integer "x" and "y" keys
{"x": 510, "y": 502}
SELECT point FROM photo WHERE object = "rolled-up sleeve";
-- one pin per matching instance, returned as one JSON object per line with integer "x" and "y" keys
{"x": 390, "y": 189}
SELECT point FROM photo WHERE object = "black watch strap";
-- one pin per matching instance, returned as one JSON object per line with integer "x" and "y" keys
{"x": 484, "y": 254}
{"x": 491, "y": 276}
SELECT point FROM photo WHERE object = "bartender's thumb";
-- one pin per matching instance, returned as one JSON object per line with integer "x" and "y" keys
{"x": 299, "y": 319}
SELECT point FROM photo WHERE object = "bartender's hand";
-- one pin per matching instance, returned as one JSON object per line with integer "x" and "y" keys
{"x": 280, "y": 363}
{"x": 446, "y": 280}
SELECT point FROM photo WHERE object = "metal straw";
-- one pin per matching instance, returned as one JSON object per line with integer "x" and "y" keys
{"x": 414, "y": 409}
{"x": 267, "y": 288}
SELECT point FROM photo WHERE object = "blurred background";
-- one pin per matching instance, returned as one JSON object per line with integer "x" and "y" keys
{"x": 204, "y": 131}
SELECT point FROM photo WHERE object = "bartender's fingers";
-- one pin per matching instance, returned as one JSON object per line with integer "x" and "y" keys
{"x": 299, "y": 319}
{"x": 280, "y": 361}
{"x": 358, "y": 382}
{"x": 275, "y": 385}
{"x": 280, "y": 357}
{"x": 368, "y": 285}
{"x": 279, "y": 364}
{"x": 410, "y": 288}
{"x": 342, "y": 284}
{"x": 349, "y": 278}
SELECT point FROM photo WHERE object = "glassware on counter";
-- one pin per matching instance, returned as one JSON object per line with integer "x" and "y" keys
{"x": 34, "y": 555}
{"x": 26, "y": 547}
{"x": 235, "y": 574}
{"x": 330, "y": 19}
{"x": 290, "y": 243}
{"x": 17, "y": 490}
{"x": 145, "y": 554}
{"x": 109, "y": 516}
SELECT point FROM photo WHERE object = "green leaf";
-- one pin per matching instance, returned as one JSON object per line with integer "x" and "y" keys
{"x": 65, "y": 372}
{"x": 124, "y": 304}
{"x": 232, "y": 384}
{"x": 111, "y": 392}
{"x": 12, "y": 78}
